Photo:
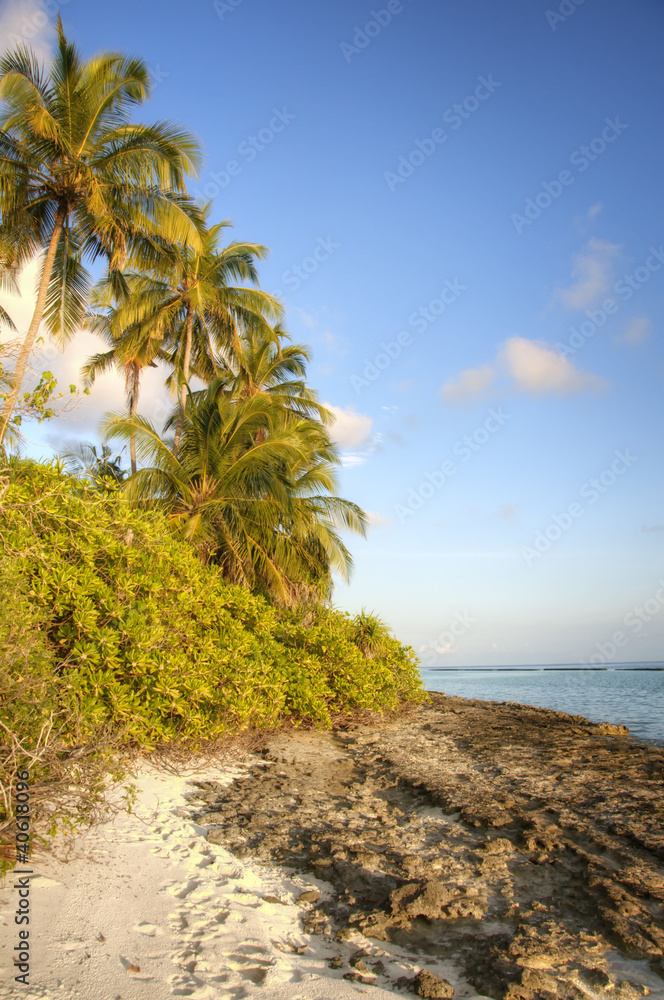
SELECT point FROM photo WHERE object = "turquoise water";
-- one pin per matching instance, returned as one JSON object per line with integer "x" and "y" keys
{"x": 628, "y": 697}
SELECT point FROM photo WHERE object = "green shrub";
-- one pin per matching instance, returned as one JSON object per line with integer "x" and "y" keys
{"x": 115, "y": 626}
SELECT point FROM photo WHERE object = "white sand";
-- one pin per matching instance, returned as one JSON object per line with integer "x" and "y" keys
{"x": 146, "y": 892}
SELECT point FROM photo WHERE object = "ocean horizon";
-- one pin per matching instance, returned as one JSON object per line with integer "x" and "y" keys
{"x": 644, "y": 665}
{"x": 629, "y": 694}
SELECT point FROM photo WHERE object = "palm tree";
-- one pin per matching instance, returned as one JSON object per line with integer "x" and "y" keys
{"x": 370, "y": 634}
{"x": 304, "y": 533}
{"x": 258, "y": 365}
{"x": 79, "y": 180}
{"x": 131, "y": 349}
{"x": 100, "y": 465}
{"x": 188, "y": 298}
{"x": 252, "y": 491}
{"x": 8, "y": 283}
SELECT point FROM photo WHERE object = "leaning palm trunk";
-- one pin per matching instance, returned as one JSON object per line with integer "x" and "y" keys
{"x": 185, "y": 378}
{"x": 30, "y": 337}
{"x": 71, "y": 157}
{"x": 133, "y": 380}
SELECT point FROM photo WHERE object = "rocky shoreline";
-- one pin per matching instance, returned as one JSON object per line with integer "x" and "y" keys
{"x": 524, "y": 846}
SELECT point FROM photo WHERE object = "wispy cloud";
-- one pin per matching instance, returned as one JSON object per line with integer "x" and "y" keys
{"x": 591, "y": 273}
{"x": 378, "y": 521}
{"x": 351, "y": 459}
{"x": 528, "y": 366}
{"x": 636, "y": 332}
{"x": 320, "y": 322}
{"x": 508, "y": 511}
{"x": 470, "y": 384}
{"x": 585, "y": 220}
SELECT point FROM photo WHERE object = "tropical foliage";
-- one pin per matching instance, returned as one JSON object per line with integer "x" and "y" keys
{"x": 189, "y": 595}
{"x": 185, "y": 308}
{"x": 248, "y": 475}
{"x": 42, "y": 401}
{"x": 116, "y": 626}
{"x": 99, "y": 465}
{"x": 80, "y": 181}
{"x": 252, "y": 488}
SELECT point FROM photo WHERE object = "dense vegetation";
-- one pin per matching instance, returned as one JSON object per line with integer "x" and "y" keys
{"x": 245, "y": 466}
{"x": 187, "y": 596}
{"x": 116, "y": 627}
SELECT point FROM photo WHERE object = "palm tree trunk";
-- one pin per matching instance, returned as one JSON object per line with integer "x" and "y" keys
{"x": 28, "y": 343}
{"x": 133, "y": 403}
{"x": 189, "y": 325}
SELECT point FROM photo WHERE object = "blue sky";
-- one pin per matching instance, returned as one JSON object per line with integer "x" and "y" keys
{"x": 463, "y": 204}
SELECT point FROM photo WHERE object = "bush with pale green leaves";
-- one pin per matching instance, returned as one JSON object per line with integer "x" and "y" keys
{"x": 111, "y": 624}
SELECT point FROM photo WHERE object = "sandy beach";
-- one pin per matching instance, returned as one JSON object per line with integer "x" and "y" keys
{"x": 470, "y": 849}
{"x": 145, "y": 908}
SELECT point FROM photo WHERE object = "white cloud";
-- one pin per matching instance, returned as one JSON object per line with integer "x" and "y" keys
{"x": 636, "y": 332}
{"x": 377, "y": 521}
{"x": 25, "y": 22}
{"x": 528, "y": 366}
{"x": 537, "y": 368}
{"x": 21, "y": 306}
{"x": 350, "y": 429}
{"x": 350, "y": 459}
{"x": 107, "y": 393}
{"x": 594, "y": 210}
{"x": 591, "y": 271}
{"x": 470, "y": 383}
